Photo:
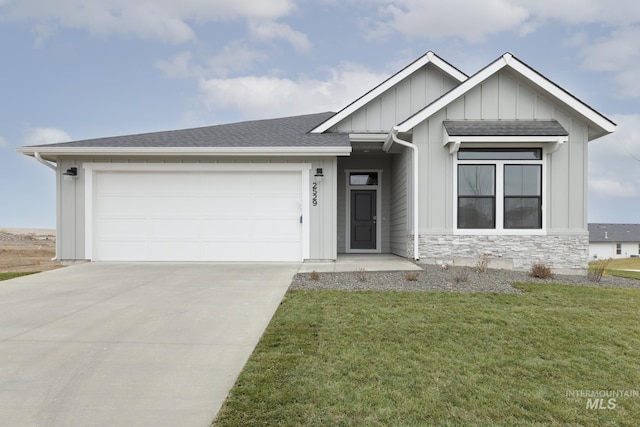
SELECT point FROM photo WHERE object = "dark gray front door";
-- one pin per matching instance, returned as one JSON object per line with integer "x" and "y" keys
{"x": 363, "y": 219}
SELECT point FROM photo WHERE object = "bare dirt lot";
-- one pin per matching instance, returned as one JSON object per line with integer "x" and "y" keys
{"x": 27, "y": 250}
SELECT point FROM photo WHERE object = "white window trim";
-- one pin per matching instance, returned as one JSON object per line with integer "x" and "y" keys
{"x": 92, "y": 168}
{"x": 499, "y": 191}
{"x": 378, "y": 189}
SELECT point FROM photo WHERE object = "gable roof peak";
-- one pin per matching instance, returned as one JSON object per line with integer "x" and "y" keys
{"x": 428, "y": 58}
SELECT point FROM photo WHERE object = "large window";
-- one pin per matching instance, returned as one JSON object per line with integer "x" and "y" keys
{"x": 499, "y": 188}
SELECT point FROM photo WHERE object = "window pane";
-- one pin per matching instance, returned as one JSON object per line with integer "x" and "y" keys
{"x": 476, "y": 212}
{"x": 522, "y": 180}
{"x": 521, "y": 212}
{"x": 500, "y": 154}
{"x": 370, "y": 178}
{"x": 476, "y": 180}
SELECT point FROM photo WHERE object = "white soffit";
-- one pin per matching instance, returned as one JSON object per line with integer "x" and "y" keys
{"x": 429, "y": 57}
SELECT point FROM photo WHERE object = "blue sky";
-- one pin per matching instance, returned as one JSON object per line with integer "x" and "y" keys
{"x": 77, "y": 69}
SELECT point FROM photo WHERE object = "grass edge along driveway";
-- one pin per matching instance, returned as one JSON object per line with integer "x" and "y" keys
{"x": 427, "y": 358}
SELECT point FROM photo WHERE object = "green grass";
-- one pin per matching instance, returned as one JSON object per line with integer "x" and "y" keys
{"x": 7, "y": 276}
{"x": 416, "y": 358}
{"x": 617, "y": 267}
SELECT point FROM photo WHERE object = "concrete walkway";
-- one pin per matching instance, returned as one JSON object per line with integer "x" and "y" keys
{"x": 152, "y": 344}
{"x": 356, "y": 262}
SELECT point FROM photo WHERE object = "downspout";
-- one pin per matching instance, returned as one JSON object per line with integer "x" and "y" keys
{"x": 55, "y": 169}
{"x": 394, "y": 137}
{"x": 43, "y": 161}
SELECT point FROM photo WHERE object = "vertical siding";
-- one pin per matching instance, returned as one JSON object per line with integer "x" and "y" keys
{"x": 504, "y": 96}
{"x": 399, "y": 102}
{"x": 400, "y": 209}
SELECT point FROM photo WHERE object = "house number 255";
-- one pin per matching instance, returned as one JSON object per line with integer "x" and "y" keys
{"x": 314, "y": 199}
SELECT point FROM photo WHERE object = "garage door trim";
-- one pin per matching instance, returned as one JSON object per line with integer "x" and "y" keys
{"x": 93, "y": 168}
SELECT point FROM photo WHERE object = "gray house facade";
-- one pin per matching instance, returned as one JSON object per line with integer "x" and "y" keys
{"x": 431, "y": 164}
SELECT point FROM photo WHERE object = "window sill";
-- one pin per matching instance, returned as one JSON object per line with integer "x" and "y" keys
{"x": 498, "y": 232}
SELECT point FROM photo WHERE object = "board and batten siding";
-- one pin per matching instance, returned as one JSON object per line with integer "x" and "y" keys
{"x": 399, "y": 102}
{"x": 504, "y": 97}
{"x": 401, "y": 201}
{"x": 71, "y": 201}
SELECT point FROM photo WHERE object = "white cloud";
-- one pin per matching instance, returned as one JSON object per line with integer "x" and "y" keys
{"x": 3, "y": 142}
{"x": 617, "y": 53}
{"x": 474, "y": 21}
{"x": 166, "y": 20}
{"x": 614, "y": 161}
{"x": 265, "y": 96}
{"x": 40, "y": 136}
{"x": 178, "y": 67}
{"x": 470, "y": 20}
{"x": 270, "y": 30}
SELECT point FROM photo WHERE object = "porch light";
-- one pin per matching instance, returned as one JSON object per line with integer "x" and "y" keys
{"x": 71, "y": 173}
{"x": 319, "y": 175}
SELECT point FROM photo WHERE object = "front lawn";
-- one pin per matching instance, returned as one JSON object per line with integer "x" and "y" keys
{"x": 7, "y": 276}
{"x": 428, "y": 358}
{"x": 617, "y": 267}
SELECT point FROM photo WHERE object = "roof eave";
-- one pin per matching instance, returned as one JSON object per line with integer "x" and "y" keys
{"x": 53, "y": 152}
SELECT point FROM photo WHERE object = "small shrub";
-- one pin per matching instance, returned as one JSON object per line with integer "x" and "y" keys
{"x": 361, "y": 275}
{"x": 597, "y": 270}
{"x": 461, "y": 276}
{"x": 314, "y": 275}
{"x": 412, "y": 276}
{"x": 482, "y": 264}
{"x": 541, "y": 271}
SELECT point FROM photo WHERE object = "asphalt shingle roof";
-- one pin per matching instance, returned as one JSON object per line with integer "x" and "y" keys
{"x": 615, "y": 233}
{"x": 281, "y": 132}
{"x": 504, "y": 128}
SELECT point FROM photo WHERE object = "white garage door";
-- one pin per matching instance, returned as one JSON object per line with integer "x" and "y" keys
{"x": 197, "y": 216}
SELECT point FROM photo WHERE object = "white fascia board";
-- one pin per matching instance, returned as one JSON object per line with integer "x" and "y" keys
{"x": 187, "y": 151}
{"x": 388, "y": 84}
{"x": 452, "y": 95}
{"x": 562, "y": 95}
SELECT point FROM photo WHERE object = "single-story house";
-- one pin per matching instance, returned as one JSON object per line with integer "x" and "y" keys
{"x": 431, "y": 164}
{"x": 614, "y": 241}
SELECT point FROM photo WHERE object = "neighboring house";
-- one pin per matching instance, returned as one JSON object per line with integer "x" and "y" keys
{"x": 431, "y": 164}
{"x": 614, "y": 241}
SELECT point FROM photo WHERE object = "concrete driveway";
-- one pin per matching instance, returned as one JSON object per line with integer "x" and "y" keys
{"x": 133, "y": 344}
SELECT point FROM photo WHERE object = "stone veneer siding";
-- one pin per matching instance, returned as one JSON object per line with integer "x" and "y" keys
{"x": 564, "y": 253}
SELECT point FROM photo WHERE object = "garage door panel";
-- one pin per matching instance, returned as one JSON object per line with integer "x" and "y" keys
{"x": 119, "y": 182}
{"x": 172, "y": 206}
{"x": 267, "y": 207}
{"x": 283, "y": 229}
{"x": 198, "y": 216}
{"x": 175, "y": 228}
{"x": 276, "y": 183}
{"x": 227, "y": 183}
{"x": 124, "y": 228}
{"x": 226, "y": 229}
{"x": 122, "y": 250}
{"x": 175, "y": 183}
{"x": 226, "y": 206}
{"x": 122, "y": 206}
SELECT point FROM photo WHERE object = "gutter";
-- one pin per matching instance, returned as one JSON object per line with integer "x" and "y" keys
{"x": 393, "y": 137}
{"x": 44, "y": 162}
{"x": 55, "y": 169}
